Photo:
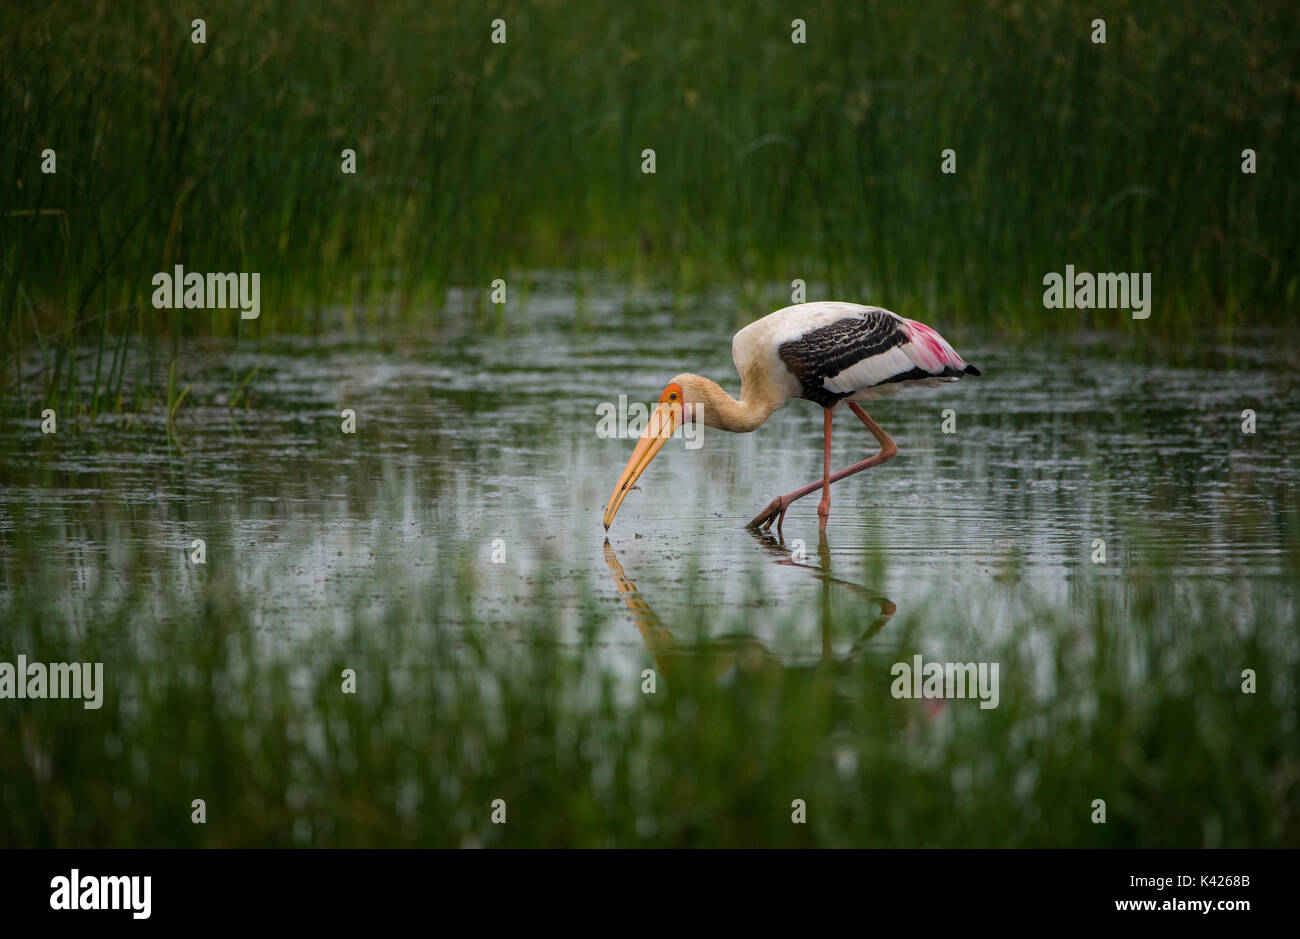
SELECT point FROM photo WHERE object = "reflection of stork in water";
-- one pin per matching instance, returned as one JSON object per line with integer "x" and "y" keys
{"x": 740, "y": 650}
{"x": 827, "y": 353}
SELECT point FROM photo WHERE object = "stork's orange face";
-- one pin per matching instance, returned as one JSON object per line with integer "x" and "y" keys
{"x": 665, "y": 419}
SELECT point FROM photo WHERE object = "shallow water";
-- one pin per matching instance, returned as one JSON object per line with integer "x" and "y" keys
{"x": 480, "y": 436}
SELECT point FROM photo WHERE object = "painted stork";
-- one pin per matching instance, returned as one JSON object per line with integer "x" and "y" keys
{"x": 827, "y": 353}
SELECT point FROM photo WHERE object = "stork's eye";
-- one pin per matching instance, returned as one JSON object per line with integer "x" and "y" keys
{"x": 673, "y": 396}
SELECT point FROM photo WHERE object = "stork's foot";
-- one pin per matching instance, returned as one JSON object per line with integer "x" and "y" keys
{"x": 776, "y": 509}
{"x": 775, "y": 512}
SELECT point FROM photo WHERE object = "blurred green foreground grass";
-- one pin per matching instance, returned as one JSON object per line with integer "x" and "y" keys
{"x": 1141, "y": 708}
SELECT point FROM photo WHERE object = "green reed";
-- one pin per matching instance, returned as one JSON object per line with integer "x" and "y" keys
{"x": 775, "y": 160}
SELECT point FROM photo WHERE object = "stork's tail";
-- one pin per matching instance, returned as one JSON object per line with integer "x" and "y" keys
{"x": 932, "y": 352}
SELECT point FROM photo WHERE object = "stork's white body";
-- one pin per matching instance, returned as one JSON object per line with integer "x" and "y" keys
{"x": 756, "y": 350}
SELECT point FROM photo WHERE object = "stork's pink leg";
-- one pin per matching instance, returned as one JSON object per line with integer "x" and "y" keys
{"x": 776, "y": 509}
{"x": 824, "y": 509}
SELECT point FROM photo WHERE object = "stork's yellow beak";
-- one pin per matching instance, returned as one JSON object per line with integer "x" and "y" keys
{"x": 658, "y": 429}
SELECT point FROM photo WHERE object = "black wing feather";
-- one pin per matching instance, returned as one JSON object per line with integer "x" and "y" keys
{"x": 824, "y": 352}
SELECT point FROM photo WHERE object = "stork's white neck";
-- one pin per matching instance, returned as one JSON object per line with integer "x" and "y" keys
{"x": 724, "y": 412}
